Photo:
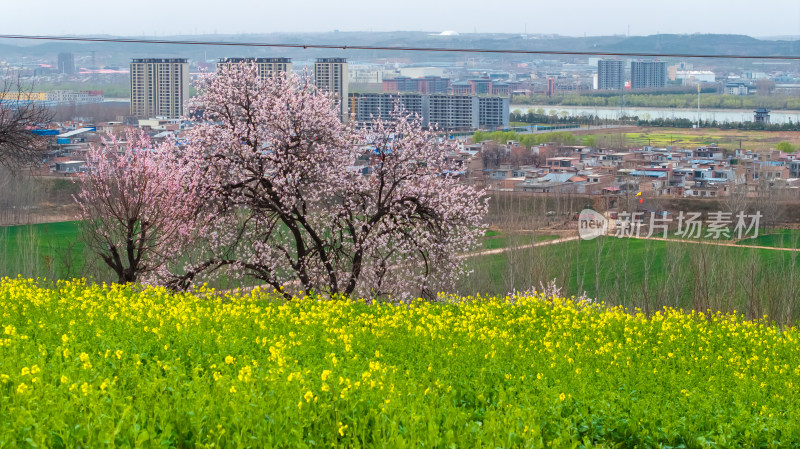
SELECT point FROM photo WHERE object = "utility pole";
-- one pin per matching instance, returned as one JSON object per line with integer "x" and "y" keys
{"x": 698, "y": 106}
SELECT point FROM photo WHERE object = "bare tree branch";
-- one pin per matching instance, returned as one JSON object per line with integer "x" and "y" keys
{"x": 20, "y": 113}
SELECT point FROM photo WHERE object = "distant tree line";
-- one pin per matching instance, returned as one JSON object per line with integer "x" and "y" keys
{"x": 687, "y": 123}
{"x": 527, "y": 140}
{"x": 554, "y": 117}
{"x": 539, "y": 116}
{"x": 662, "y": 100}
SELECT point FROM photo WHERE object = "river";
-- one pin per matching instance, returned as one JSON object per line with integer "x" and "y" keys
{"x": 720, "y": 115}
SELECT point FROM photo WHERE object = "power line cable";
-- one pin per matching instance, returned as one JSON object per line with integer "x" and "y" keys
{"x": 385, "y": 48}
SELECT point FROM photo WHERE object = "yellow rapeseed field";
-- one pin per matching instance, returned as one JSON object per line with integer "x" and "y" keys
{"x": 92, "y": 366}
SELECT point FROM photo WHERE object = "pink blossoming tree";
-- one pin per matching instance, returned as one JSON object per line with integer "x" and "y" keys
{"x": 139, "y": 206}
{"x": 284, "y": 193}
{"x": 295, "y": 209}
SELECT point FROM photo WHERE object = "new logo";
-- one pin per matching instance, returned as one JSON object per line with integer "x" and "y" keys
{"x": 591, "y": 224}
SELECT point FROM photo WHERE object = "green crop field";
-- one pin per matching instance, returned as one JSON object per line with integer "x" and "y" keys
{"x": 782, "y": 238}
{"x": 91, "y": 366}
{"x": 45, "y": 236}
{"x": 56, "y": 250}
{"x": 662, "y": 139}
{"x": 53, "y": 250}
{"x": 727, "y": 139}
{"x": 692, "y": 138}
{"x": 651, "y": 274}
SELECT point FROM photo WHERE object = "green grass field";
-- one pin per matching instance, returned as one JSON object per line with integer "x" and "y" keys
{"x": 782, "y": 238}
{"x": 56, "y": 250}
{"x": 47, "y": 236}
{"x": 42, "y": 250}
{"x": 650, "y": 274}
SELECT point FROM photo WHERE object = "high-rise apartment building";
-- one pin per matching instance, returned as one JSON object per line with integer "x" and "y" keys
{"x": 66, "y": 63}
{"x": 330, "y": 75}
{"x": 159, "y": 87}
{"x": 367, "y": 107}
{"x": 267, "y": 67}
{"x": 648, "y": 74}
{"x": 454, "y": 112}
{"x": 610, "y": 74}
{"x": 493, "y": 112}
{"x": 447, "y": 112}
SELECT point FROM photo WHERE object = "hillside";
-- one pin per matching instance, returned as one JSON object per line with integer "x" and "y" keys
{"x": 120, "y": 53}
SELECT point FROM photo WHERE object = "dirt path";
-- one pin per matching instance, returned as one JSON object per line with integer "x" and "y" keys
{"x": 575, "y": 237}
{"x": 487, "y": 252}
{"x": 715, "y": 243}
{"x": 691, "y": 241}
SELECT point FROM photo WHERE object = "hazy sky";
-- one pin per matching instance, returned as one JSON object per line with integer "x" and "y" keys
{"x": 566, "y": 17}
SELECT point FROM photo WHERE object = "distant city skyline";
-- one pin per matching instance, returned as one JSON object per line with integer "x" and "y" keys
{"x": 566, "y": 17}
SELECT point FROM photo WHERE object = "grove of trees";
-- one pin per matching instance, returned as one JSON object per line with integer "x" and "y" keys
{"x": 540, "y": 116}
